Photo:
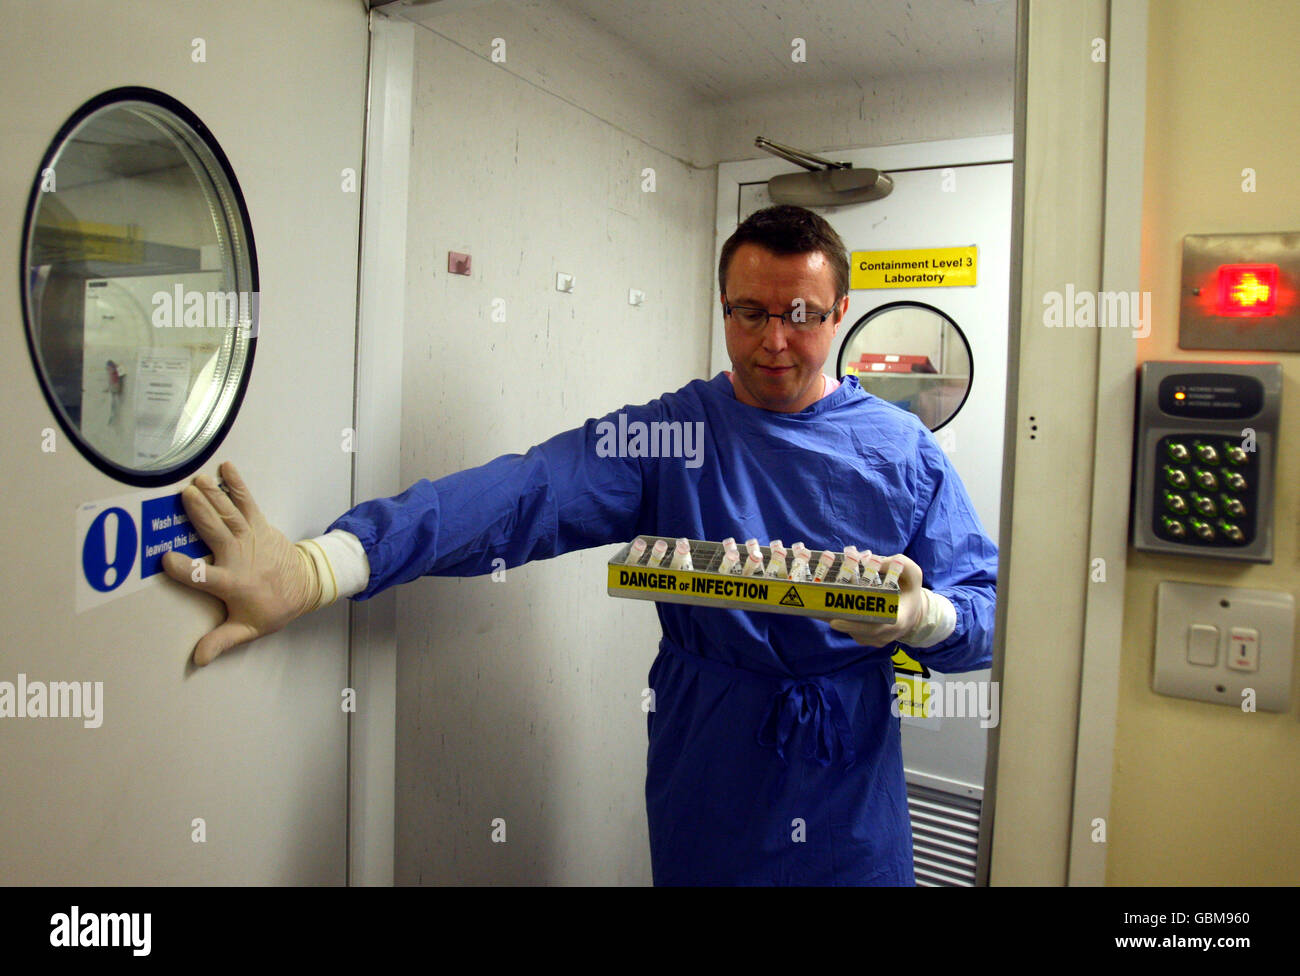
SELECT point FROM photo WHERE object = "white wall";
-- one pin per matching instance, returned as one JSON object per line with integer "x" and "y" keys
{"x": 521, "y": 699}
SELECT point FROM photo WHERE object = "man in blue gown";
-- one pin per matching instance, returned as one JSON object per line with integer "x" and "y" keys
{"x": 774, "y": 753}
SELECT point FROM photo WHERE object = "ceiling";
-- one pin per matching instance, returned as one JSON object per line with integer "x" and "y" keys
{"x": 727, "y": 49}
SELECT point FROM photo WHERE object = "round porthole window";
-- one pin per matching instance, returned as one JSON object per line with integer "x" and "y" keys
{"x": 139, "y": 284}
{"x": 912, "y": 355}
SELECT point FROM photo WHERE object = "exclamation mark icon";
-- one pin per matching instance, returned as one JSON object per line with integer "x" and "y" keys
{"x": 110, "y": 549}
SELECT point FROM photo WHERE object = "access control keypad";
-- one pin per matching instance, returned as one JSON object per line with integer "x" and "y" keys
{"x": 1206, "y": 489}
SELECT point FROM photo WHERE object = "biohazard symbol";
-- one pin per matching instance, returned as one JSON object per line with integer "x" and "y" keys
{"x": 905, "y": 665}
{"x": 791, "y": 598}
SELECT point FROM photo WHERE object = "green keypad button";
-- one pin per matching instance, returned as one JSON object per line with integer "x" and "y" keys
{"x": 1174, "y": 527}
{"x": 1175, "y": 502}
{"x": 1230, "y": 531}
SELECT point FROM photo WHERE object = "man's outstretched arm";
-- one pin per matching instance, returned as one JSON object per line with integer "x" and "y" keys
{"x": 562, "y": 495}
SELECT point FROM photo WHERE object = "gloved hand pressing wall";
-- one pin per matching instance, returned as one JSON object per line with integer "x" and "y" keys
{"x": 264, "y": 580}
{"x": 924, "y": 617}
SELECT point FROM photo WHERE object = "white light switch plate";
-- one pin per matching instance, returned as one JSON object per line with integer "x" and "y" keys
{"x": 1271, "y": 613}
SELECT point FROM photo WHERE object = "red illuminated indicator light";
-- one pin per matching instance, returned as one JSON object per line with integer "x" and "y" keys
{"x": 1180, "y": 396}
{"x": 1247, "y": 289}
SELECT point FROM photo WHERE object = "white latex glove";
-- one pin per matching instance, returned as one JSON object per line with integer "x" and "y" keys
{"x": 264, "y": 580}
{"x": 920, "y": 620}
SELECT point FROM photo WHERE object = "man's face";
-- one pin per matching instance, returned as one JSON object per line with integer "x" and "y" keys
{"x": 778, "y": 368}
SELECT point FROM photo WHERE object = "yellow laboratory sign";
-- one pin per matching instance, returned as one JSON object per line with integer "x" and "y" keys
{"x": 931, "y": 267}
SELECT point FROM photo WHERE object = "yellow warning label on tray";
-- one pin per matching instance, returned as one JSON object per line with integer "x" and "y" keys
{"x": 687, "y": 586}
{"x": 930, "y": 267}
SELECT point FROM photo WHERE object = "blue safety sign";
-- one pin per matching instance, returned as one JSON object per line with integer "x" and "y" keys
{"x": 121, "y": 542}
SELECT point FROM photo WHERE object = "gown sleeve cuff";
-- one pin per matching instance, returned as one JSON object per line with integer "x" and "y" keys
{"x": 341, "y": 562}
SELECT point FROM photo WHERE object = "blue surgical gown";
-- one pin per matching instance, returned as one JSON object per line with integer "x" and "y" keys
{"x": 774, "y": 756}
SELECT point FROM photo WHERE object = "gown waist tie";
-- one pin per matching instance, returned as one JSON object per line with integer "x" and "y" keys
{"x": 812, "y": 701}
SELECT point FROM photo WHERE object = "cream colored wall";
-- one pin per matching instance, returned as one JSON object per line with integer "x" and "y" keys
{"x": 1205, "y": 794}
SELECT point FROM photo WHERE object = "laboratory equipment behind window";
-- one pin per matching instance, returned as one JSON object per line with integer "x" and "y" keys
{"x": 140, "y": 286}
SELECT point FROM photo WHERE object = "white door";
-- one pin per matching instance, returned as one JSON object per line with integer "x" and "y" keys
{"x": 946, "y": 195}
{"x": 236, "y": 773}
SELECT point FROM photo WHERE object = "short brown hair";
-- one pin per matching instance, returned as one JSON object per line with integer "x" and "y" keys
{"x": 785, "y": 230}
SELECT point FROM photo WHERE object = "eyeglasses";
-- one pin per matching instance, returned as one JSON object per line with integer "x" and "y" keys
{"x": 753, "y": 319}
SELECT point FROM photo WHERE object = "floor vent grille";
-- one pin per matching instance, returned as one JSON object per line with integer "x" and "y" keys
{"x": 945, "y": 837}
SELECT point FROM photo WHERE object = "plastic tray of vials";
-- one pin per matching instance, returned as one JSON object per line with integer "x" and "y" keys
{"x": 808, "y": 583}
